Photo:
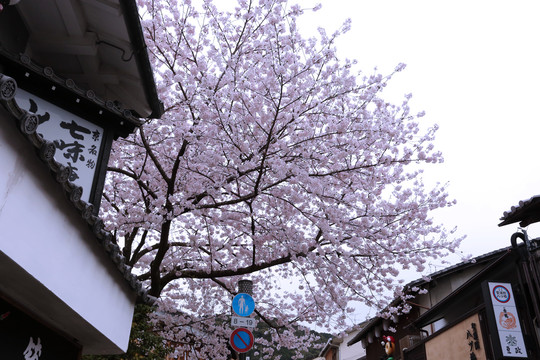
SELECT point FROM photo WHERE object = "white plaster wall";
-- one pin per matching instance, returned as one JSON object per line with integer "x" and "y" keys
{"x": 352, "y": 352}
{"x": 464, "y": 276}
{"x": 42, "y": 233}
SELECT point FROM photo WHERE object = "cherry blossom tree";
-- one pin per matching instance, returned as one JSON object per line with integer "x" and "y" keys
{"x": 275, "y": 161}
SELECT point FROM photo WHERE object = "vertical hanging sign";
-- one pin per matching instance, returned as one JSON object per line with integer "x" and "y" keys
{"x": 505, "y": 320}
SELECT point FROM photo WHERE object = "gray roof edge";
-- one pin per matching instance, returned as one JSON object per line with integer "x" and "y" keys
{"x": 369, "y": 324}
{"x": 466, "y": 284}
{"x": 47, "y": 74}
{"x": 459, "y": 266}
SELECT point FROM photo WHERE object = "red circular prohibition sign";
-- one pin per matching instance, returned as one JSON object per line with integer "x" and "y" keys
{"x": 241, "y": 340}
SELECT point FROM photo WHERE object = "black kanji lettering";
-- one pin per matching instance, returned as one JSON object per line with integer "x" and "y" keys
{"x": 73, "y": 150}
{"x": 75, "y": 129}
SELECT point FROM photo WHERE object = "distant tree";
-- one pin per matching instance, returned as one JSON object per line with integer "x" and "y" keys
{"x": 263, "y": 331}
{"x": 274, "y": 161}
{"x": 144, "y": 342}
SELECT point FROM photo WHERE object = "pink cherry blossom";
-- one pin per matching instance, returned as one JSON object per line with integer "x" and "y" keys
{"x": 274, "y": 161}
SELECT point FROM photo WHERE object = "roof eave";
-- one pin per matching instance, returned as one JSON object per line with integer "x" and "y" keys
{"x": 422, "y": 281}
{"x": 431, "y": 315}
{"x": 526, "y": 212}
{"x": 141, "y": 54}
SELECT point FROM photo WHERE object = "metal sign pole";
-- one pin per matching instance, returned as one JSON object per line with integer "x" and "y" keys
{"x": 246, "y": 287}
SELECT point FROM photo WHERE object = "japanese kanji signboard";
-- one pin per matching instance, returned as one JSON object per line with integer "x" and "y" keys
{"x": 504, "y": 315}
{"x": 78, "y": 141}
{"x": 22, "y": 337}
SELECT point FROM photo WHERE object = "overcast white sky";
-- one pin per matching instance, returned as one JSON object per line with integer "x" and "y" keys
{"x": 474, "y": 67}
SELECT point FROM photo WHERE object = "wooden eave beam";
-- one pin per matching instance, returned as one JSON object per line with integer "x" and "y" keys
{"x": 85, "y": 45}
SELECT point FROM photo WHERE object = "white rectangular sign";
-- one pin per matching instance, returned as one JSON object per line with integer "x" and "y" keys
{"x": 239, "y": 321}
{"x": 508, "y": 324}
{"x": 77, "y": 141}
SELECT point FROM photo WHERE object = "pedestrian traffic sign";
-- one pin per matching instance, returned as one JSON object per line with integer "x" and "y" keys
{"x": 243, "y": 304}
{"x": 241, "y": 340}
{"x": 240, "y": 321}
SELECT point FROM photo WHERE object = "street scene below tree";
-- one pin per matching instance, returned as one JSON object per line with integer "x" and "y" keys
{"x": 235, "y": 180}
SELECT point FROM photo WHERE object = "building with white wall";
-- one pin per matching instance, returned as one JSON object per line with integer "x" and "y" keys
{"x": 74, "y": 75}
{"x": 337, "y": 348}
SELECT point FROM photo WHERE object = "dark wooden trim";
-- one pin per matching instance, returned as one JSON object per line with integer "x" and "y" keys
{"x": 101, "y": 171}
{"x": 469, "y": 313}
{"x": 40, "y": 321}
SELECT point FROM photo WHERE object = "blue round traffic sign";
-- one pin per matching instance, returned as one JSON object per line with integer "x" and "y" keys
{"x": 243, "y": 304}
{"x": 241, "y": 340}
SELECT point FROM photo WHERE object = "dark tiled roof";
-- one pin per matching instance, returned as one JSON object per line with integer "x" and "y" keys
{"x": 423, "y": 281}
{"x": 431, "y": 314}
{"x": 145, "y": 68}
{"x": 107, "y": 32}
{"x": 459, "y": 266}
{"x": 27, "y": 123}
{"x": 125, "y": 121}
{"x": 526, "y": 212}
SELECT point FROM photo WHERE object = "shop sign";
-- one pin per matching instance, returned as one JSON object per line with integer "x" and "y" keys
{"x": 473, "y": 341}
{"x": 77, "y": 141}
{"x": 22, "y": 337}
{"x": 505, "y": 316}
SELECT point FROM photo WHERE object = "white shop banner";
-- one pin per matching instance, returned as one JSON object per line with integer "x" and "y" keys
{"x": 506, "y": 316}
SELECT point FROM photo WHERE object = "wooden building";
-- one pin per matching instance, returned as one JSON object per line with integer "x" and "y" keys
{"x": 487, "y": 308}
{"x": 496, "y": 314}
{"x": 337, "y": 348}
{"x": 438, "y": 285}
